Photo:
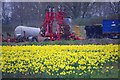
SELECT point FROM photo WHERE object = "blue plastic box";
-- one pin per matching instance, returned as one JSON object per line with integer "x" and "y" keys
{"x": 111, "y": 26}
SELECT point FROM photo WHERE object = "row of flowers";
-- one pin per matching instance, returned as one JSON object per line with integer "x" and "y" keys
{"x": 56, "y": 60}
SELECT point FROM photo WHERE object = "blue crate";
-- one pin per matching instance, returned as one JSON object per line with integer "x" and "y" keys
{"x": 111, "y": 26}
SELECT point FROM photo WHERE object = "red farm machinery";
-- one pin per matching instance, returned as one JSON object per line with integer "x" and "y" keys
{"x": 60, "y": 31}
{"x": 62, "y": 28}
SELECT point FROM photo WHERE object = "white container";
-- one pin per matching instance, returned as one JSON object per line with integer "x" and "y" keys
{"x": 29, "y": 31}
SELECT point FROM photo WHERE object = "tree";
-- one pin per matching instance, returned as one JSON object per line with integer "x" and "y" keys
{"x": 6, "y": 13}
{"x": 115, "y": 7}
{"x": 78, "y": 9}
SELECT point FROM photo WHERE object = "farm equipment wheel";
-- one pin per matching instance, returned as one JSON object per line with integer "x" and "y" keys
{"x": 34, "y": 39}
{"x": 19, "y": 39}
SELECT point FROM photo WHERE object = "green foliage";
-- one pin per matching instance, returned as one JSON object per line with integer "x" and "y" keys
{"x": 68, "y": 42}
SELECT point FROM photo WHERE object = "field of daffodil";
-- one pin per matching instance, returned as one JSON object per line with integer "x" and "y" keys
{"x": 59, "y": 60}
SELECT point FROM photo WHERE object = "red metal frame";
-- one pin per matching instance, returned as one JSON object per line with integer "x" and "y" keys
{"x": 48, "y": 22}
